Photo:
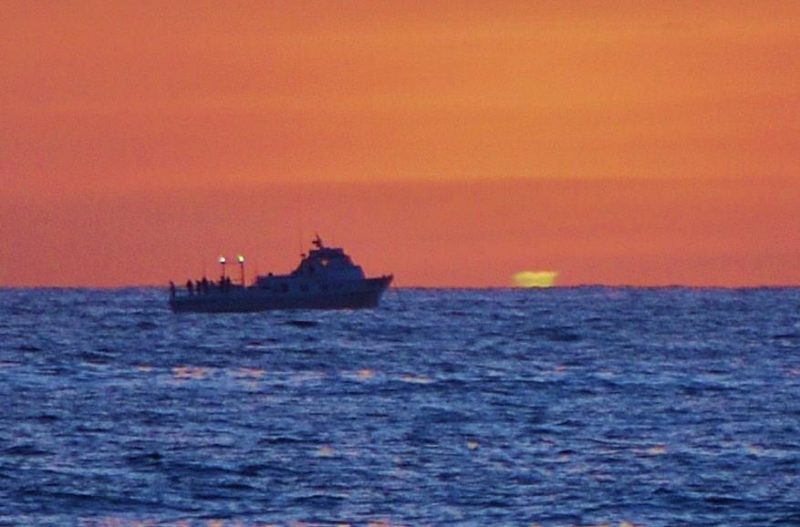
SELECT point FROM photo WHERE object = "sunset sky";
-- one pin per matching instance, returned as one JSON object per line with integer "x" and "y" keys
{"x": 449, "y": 143}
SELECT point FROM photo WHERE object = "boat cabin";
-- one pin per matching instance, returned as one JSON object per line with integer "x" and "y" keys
{"x": 323, "y": 267}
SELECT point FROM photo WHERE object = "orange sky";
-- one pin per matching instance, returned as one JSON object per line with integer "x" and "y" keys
{"x": 451, "y": 143}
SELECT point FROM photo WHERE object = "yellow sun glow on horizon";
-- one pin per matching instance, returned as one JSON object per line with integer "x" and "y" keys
{"x": 535, "y": 278}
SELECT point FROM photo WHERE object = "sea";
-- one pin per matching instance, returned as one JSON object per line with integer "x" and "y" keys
{"x": 581, "y": 406}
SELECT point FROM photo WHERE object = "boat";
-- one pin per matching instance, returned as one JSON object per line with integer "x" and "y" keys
{"x": 326, "y": 278}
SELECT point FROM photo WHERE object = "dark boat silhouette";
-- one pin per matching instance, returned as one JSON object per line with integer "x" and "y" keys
{"x": 326, "y": 278}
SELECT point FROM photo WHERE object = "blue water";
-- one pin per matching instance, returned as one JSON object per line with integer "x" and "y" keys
{"x": 562, "y": 407}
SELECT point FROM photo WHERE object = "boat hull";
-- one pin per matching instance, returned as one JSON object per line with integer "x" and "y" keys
{"x": 357, "y": 295}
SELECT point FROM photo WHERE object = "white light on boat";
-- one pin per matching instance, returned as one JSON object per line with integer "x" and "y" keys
{"x": 222, "y": 260}
{"x": 240, "y": 258}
